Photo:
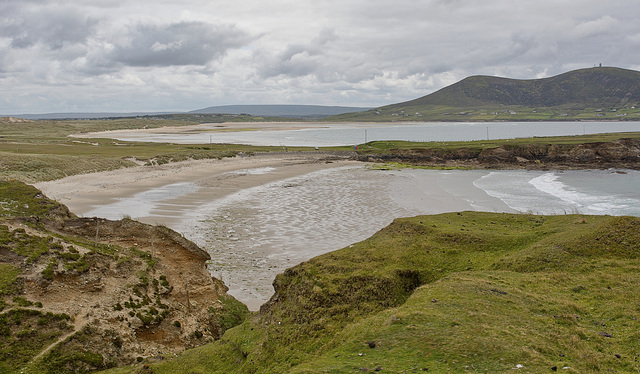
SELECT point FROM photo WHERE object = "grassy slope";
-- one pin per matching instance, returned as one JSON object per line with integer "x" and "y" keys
{"x": 460, "y": 292}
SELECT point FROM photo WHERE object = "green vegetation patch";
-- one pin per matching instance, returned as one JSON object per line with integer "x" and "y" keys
{"x": 23, "y": 244}
{"x": 231, "y": 314}
{"x": 76, "y": 355}
{"x": 20, "y": 200}
{"x": 471, "y": 149}
{"x": 24, "y": 333}
{"x": 458, "y": 292}
{"x": 9, "y": 279}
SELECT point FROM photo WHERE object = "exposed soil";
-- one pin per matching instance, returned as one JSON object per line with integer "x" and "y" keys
{"x": 143, "y": 291}
{"x": 622, "y": 153}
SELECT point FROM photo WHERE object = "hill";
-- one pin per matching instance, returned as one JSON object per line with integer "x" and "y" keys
{"x": 280, "y": 110}
{"x": 457, "y": 292}
{"x": 594, "y": 93}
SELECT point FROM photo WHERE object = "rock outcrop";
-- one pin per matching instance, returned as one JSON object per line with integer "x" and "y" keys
{"x": 622, "y": 153}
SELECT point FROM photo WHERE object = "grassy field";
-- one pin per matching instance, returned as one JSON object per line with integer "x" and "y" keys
{"x": 42, "y": 150}
{"x": 460, "y": 292}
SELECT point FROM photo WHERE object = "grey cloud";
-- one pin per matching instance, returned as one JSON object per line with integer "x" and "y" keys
{"x": 359, "y": 51}
{"x": 298, "y": 60}
{"x": 185, "y": 43}
{"x": 53, "y": 28}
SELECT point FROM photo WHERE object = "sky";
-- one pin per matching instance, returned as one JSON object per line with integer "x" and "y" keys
{"x": 162, "y": 55}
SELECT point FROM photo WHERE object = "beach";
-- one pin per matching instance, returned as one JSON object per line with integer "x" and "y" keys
{"x": 257, "y": 216}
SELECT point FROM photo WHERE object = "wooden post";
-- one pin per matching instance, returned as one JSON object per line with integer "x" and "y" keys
{"x": 188, "y": 302}
{"x": 97, "y": 229}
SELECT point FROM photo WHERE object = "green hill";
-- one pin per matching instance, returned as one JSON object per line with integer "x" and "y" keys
{"x": 460, "y": 292}
{"x": 603, "y": 92}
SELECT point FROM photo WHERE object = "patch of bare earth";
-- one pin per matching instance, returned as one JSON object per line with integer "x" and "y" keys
{"x": 142, "y": 291}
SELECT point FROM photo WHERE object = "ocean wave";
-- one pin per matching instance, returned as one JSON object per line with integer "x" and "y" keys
{"x": 582, "y": 201}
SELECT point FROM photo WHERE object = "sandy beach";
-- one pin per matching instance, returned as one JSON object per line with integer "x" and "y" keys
{"x": 217, "y": 178}
{"x": 259, "y": 215}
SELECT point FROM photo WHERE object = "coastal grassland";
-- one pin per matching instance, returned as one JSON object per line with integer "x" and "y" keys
{"x": 457, "y": 292}
{"x": 8, "y": 281}
{"x": 600, "y": 151}
{"x": 46, "y": 130}
{"x": 480, "y": 145}
{"x": 40, "y": 151}
{"x": 25, "y": 333}
{"x": 20, "y": 200}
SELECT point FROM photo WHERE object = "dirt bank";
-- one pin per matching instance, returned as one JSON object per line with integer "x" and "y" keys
{"x": 128, "y": 289}
{"x": 622, "y": 153}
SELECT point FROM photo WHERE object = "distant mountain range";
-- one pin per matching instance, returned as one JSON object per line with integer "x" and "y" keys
{"x": 281, "y": 110}
{"x": 579, "y": 94}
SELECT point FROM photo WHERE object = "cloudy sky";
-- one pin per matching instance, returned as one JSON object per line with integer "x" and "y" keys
{"x": 159, "y": 55}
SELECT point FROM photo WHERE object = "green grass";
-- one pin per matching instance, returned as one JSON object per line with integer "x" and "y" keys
{"x": 24, "y": 333}
{"x": 20, "y": 200}
{"x": 40, "y": 151}
{"x": 75, "y": 355}
{"x": 8, "y": 279}
{"x": 476, "y": 146}
{"x": 460, "y": 292}
{"x": 232, "y": 313}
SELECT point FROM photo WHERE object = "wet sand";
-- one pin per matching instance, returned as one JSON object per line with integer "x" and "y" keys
{"x": 259, "y": 215}
{"x": 201, "y": 181}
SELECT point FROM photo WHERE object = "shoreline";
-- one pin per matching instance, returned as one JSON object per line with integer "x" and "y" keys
{"x": 259, "y": 215}
{"x": 82, "y": 193}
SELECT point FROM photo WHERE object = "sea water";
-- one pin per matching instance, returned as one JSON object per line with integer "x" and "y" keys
{"x": 601, "y": 192}
{"x": 328, "y": 134}
{"x": 256, "y": 233}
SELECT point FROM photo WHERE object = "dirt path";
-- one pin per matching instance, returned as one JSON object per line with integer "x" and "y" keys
{"x": 78, "y": 324}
